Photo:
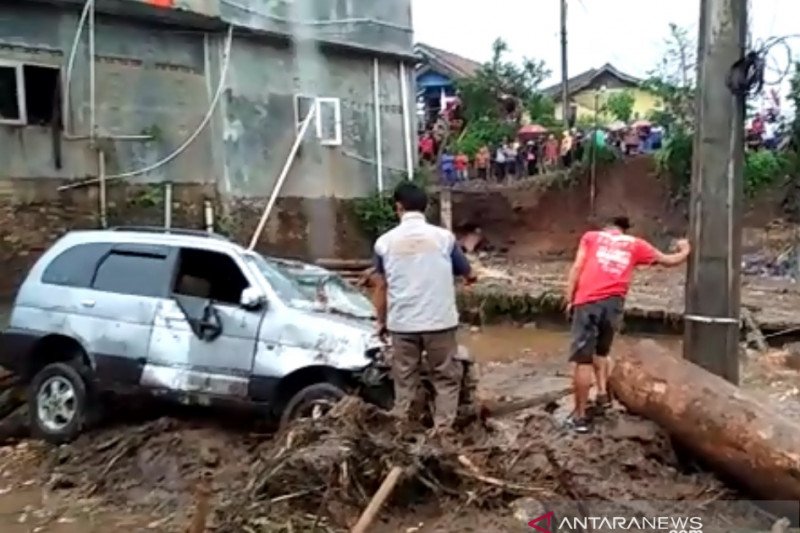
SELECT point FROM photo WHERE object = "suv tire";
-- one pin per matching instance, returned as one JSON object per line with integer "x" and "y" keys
{"x": 57, "y": 399}
{"x": 307, "y": 398}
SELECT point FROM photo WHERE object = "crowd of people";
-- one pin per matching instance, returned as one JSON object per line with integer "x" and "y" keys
{"x": 764, "y": 131}
{"x": 508, "y": 160}
{"x": 529, "y": 155}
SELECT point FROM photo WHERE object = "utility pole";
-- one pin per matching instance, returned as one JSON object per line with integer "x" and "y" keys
{"x": 564, "y": 77}
{"x": 711, "y": 337}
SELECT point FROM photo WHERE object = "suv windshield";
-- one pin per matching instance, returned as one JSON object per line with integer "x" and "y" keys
{"x": 328, "y": 288}
{"x": 285, "y": 287}
{"x": 345, "y": 298}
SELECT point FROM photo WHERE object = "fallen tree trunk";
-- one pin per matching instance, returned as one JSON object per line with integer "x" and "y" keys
{"x": 730, "y": 430}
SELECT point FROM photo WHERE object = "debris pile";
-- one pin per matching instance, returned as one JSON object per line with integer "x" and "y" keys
{"x": 325, "y": 471}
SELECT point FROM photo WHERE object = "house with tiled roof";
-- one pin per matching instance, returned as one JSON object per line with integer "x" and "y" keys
{"x": 588, "y": 90}
{"x": 437, "y": 72}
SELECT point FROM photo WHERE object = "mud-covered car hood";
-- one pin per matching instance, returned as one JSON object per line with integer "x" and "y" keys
{"x": 343, "y": 342}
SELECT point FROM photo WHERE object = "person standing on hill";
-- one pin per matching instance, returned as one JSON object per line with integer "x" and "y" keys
{"x": 597, "y": 285}
{"x": 416, "y": 264}
{"x": 482, "y": 162}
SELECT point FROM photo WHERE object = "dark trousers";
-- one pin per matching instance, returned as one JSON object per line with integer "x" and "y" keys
{"x": 440, "y": 349}
{"x": 593, "y": 327}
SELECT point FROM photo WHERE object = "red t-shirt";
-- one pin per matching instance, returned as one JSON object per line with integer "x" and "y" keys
{"x": 426, "y": 145}
{"x": 462, "y": 162}
{"x": 611, "y": 257}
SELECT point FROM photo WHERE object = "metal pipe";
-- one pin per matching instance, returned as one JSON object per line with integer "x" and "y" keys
{"x": 189, "y": 140}
{"x": 109, "y": 136}
{"x": 282, "y": 177}
{"x": 376, "y": 97}
{"x": 101, "y": 173}
{"x": 67, "y": 105}
{"x": 208, "y": 210}
{"x": 92, "y": 75}
{"x": 407, "y": 122}
{"x": 371, "y": 162}
{"x": 167, "y": 204}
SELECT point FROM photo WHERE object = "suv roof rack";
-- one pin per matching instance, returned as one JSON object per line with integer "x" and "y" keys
{"x": 170, "y": 231}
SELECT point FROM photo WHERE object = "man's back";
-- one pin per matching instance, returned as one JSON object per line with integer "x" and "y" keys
{"x": 417, "y": 264}
{"x": 611, "y": 257}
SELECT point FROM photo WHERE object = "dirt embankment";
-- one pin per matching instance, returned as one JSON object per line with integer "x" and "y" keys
{"x": 533, "y": 221}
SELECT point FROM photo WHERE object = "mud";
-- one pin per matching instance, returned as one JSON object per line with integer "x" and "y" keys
{"x": 544, "y": 216}
{"x": 145, "y": 474}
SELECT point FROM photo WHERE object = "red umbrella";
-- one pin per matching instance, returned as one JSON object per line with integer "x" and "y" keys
{"x": 532, "y": 129}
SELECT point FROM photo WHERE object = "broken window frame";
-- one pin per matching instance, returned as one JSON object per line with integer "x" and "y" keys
{"x": 319, "y": 101}
{"x": 21, "y": 100}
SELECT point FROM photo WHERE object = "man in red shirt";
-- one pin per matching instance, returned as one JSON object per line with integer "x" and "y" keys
{"x": 596, "y": 288}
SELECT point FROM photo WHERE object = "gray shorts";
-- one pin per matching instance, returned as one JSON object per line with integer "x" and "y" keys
{"x": 593, "y": 328}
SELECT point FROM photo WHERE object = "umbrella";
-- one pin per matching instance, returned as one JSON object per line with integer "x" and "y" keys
{"x": 616, "y": 126}
{"x": 531, "y": 130}
{"x": 641, "y": 124}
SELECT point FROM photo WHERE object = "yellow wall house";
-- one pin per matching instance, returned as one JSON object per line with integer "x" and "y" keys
{"x": 594, "y": 86}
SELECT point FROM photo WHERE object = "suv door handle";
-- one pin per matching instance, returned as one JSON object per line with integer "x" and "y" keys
{"x": 87, "y": 303}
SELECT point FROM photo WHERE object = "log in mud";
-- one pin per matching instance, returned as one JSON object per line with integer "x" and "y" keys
{"x": 731, "y": 430}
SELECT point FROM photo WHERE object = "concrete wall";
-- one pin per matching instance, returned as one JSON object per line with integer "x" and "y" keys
{"x": 156, "y": 78}
{"x": 148, "y": 80}
{"x": 260, "y": 122}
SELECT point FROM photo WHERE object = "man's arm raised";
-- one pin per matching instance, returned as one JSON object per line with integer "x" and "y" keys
{"x": 676, "y": 258}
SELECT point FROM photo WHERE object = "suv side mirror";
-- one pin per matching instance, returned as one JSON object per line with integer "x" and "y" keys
{"x": 252, "y": 298}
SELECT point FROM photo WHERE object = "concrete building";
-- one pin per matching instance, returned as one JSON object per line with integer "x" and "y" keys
{"x": 144, "y": 79}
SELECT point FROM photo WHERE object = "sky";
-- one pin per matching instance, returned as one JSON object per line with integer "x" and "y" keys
{"x": 629, "y": 34}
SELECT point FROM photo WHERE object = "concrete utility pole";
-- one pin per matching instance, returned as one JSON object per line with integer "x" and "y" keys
{"x": 711, "y": 337}
{"x": 564, "y": 76}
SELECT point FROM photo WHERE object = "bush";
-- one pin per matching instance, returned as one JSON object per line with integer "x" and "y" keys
{"x": 675, "y": 160}
{"x": 762, "y": 168}
{"x": 605, "y": 155}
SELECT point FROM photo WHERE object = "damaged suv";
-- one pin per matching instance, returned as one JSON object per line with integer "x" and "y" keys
{"x": 338, "y": 296}
{"x": 186, "y": 314}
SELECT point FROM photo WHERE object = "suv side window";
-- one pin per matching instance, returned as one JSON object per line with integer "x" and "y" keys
{"x": 75, "y": 267}
{"x": 210, "y": 275}
{"x": 135, "y": 273}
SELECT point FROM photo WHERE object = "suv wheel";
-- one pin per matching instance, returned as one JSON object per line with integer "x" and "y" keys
{"x": 57, "y": 403}
{"x": 311, "y": 402}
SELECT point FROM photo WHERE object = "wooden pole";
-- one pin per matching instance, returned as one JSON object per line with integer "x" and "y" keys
{"x": 711, "y": 335}
{"x": 446, "y": 208}
{"x": 380, "y": 497}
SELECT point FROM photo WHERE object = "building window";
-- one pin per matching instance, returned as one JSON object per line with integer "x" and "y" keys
{"x": 29, "y": 94}
{"x": 327, "y": 119}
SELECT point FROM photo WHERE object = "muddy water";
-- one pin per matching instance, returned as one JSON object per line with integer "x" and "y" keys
{"x": 511, "y": 343}
{"x": 28, "y": 510}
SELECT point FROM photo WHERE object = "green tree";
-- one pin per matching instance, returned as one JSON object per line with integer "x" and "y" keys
{"x": 620, "y": 105}
{"x": 673, "y": 80}
{"x": 501, "y": 89}
{"x": 794, "y": 96}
